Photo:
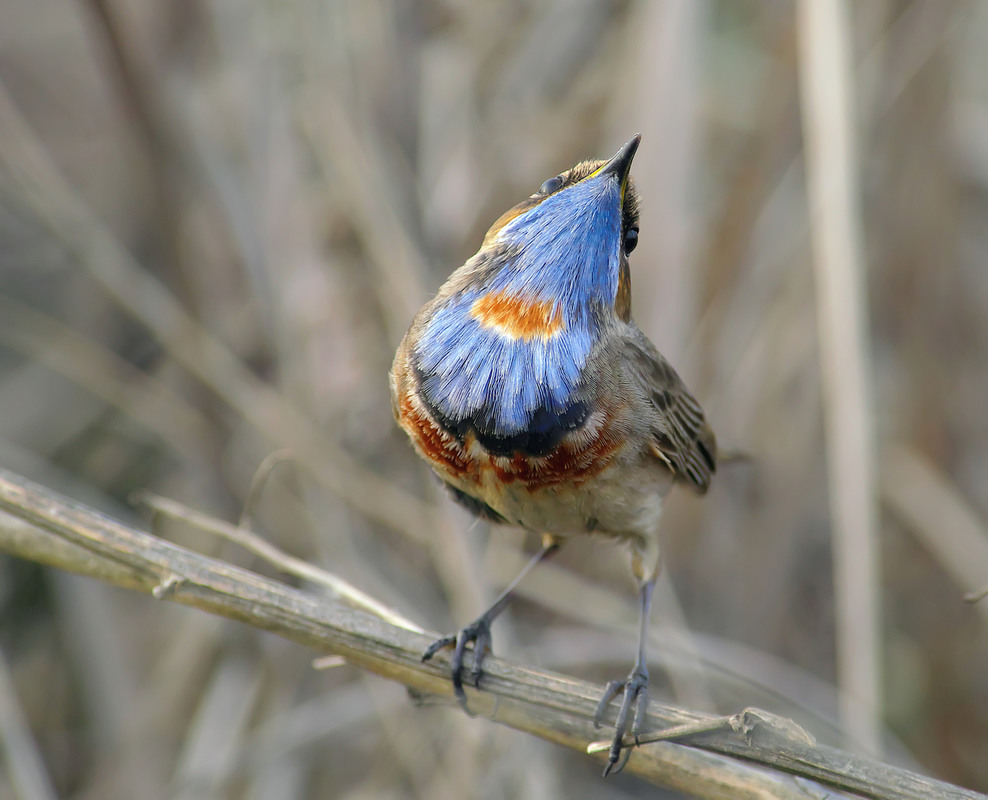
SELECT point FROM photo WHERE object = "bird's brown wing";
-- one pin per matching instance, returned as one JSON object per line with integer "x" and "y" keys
{"x": 681, "y": 436}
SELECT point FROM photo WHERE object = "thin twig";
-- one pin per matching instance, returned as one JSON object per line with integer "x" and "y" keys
{"x": 743, "y": 722}
{"x": 554, "y": 707}
{"x": 974, "y": 597}
{"x": 258, "y": 483}
{"x": 941, "y": 519}
{"x": 263, "y": 549}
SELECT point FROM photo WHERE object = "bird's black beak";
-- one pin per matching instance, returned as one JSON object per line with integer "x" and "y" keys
{"x": 620, "y": 165}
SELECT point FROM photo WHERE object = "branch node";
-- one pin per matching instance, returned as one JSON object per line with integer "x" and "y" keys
{"x": 748, "y": 721}
{"x": 974, "y": 597}
{"x": 169, "y": 584}
{"x": 328, "y": 662}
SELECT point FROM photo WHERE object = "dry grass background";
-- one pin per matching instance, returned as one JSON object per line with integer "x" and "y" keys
{"x": 296, "y": 178}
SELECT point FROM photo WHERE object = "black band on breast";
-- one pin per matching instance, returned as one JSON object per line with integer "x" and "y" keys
{"x": 545, "y": 429}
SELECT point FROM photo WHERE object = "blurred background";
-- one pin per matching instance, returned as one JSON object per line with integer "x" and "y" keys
{"x": 216, "y": 222}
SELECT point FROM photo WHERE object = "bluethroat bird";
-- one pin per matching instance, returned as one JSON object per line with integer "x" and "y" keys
{"x": 537, "y": 400}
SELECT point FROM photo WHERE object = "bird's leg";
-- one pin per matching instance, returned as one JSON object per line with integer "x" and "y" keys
{"x": 634, "y": 688}
{"x": 479, "y": 631}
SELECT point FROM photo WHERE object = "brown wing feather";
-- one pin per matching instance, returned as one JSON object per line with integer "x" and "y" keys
{"x": 681, "y": 436}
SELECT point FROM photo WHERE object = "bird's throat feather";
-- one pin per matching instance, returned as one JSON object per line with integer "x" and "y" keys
{"x": 503, "y": 354}
{"x": 518, "y": 317}
{"x": 509, "y": 371}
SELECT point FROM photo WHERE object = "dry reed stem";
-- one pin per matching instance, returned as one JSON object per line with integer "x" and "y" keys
{"x": 18, "y": 750}
{"x": 59, "y": 532}
{"x": 827, "y": 97}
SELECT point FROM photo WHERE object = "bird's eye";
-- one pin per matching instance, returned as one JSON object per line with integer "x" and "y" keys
{"x": 552, "y": 185}
{"x": 630, "y": 240}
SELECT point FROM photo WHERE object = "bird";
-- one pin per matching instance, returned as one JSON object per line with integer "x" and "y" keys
{"x": 529, "y": 390}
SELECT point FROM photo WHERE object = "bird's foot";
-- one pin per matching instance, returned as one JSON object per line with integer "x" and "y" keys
{"x": 478, "y": 632}
{"x": 635, "y": 691}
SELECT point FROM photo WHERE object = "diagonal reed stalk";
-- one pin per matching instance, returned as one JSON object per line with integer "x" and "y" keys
{"x": 750, "y": 755}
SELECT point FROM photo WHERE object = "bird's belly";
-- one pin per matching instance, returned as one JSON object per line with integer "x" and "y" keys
{"x": 614, "y": 503}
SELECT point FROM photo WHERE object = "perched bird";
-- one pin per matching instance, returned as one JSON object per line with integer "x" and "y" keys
{"x": 535, "y": 398}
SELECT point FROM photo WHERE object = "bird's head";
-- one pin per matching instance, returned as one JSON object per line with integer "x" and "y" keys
{"x": 568, "y": 244}
{"x": 501, "y": 349}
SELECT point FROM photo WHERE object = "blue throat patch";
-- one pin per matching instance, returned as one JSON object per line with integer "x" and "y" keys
{"x": 504, "y": 357}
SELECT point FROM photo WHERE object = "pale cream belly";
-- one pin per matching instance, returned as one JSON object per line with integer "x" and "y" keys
{"x": 624, "y": 503}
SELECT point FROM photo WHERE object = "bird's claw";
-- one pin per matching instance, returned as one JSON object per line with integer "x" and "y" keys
{"x": 635, "y": 690}
{"x": 478, "y": 632}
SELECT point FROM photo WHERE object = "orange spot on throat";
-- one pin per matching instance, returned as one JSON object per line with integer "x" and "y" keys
{"x": 518, "y": 317}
